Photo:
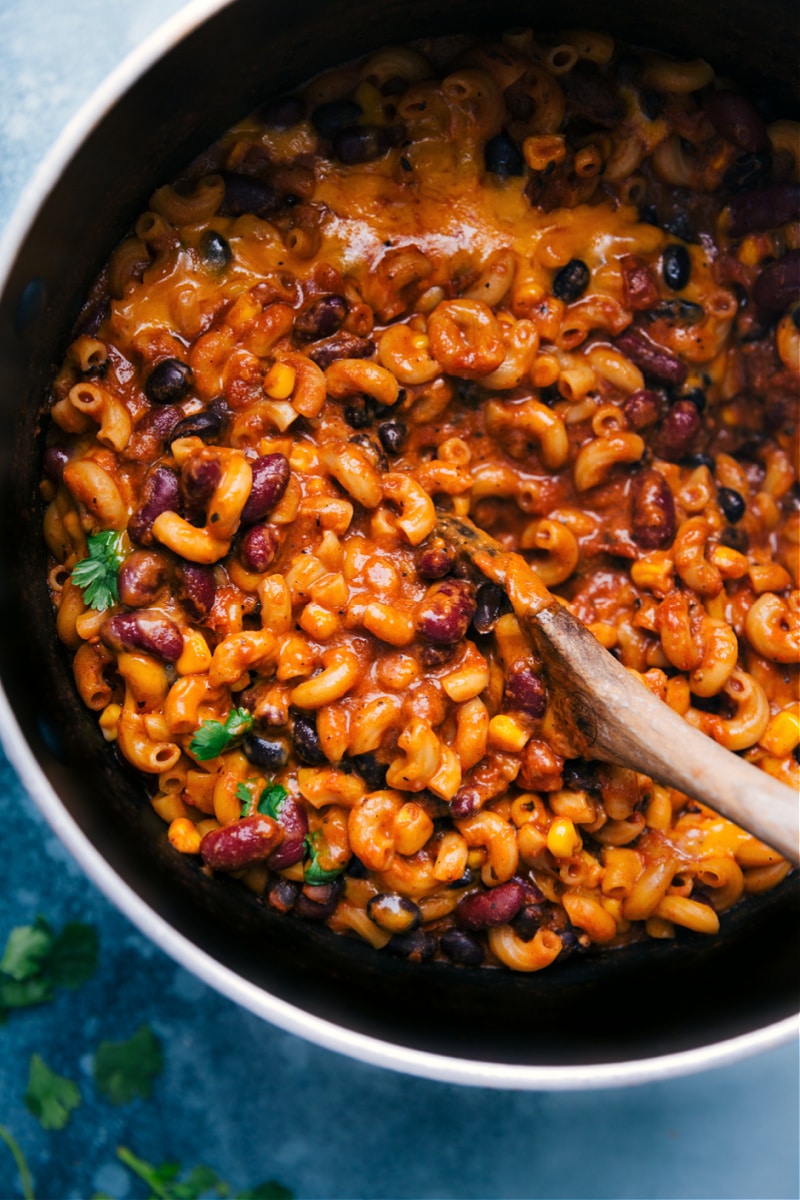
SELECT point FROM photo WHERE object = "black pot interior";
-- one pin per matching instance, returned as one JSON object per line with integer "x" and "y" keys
{"x": 648, "y": 1000}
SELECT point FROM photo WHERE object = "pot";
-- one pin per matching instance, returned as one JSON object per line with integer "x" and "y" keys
{"x": 650, "y": 1011}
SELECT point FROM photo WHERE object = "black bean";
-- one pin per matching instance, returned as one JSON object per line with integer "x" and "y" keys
{"x": 528, "y": 921}
{"x": 735, "y": 538}
{"x": 748, "y": 171}
{"x": 700, "y": 460}
{"x": 467, "y": 879}
{"x": 580, "y": 776}
{"x": 732, "y": 504}
{"x": 206, "y": 425}
{"x": 571, "y": 281}
{"x": 317, "y": 903}
{"x": 396, "y": 914}
{"x": 677, "y": 312}
{"x": 283, "y": 112}
{"x": 462, "y": 948}
{"x": 265, "y": 752}
{"x": 169, "y": 381}
{"x": 417, "y": 946}
{"x": 676, "y": 267}
{"x": 341, "y": 345}
{"x": 358, "y": 413}
{"x": 502, "y": 156}
{"x": 322, "y": 318}
{"x": 246, "y": 194}
{"x": 488, "y": 606}
{"x": 393, "y": 436}
{"x": 282, "y": 893}
{"x": 697, "y": 397}
{"x": 370, "y": 769}
{"x": 55, "y": 459}
{"x": 651, "y": 104}
{"x": 215, "y": 250}
{"x": 362, "y": 143}
{"x": 306, "y": 740}
{"x": 328, "y": 119}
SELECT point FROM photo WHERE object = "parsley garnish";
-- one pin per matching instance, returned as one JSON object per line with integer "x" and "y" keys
{"x": 50, "y": 1097}
{"x": 165, "y": 1181}
{"x": 215, "y": 736}
{"x": 271, "y": 800}
{"x": 35, "y": 960}
{"x": 313, "y": 873}
{"x": 96, "y": 575}
{"x": 123, "y": 1070}
{"x": 245, "y": 798}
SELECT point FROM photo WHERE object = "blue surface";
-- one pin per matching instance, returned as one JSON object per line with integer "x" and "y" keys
{"x": 247, "y": 1099}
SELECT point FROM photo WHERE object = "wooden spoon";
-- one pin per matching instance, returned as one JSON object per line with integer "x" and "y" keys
{"x": 609, "y": 714}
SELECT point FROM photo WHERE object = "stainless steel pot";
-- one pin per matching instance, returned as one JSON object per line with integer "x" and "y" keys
{"x": 653, "y": 1011}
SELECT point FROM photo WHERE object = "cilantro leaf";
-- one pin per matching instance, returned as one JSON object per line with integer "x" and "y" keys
{"x": 26, "y": 949}
{"x": 19, "y": 1159}
{"x": 215, "y": 736}
{"x": 23, "y": 994}
{"x": 96, "y": 575}
{"x": 271, "y": 800}
{"x": 165, "y": 1182}
{"x": 124, "y": 1070}
{"x": 245, "y": 798}
{"x": 72, "y": 957}
{"x": 313, "y": 873}
{"x": 50, "y": 1097}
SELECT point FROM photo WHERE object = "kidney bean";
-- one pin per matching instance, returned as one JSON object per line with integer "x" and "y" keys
{"x": 434, "y": 562}
{"x": 199, "y": 479}
{"x": 466, "y": 801}
{"x": 247, "y": 194}
{"x": 306, "y": 740}
{"x": 294, "y": 823}
{"x": 205, "y": 425}
{"x": 341, "y": 345}
{"x": 638, "y": 285}
{"x": 765, "y": 208}
{"x": 140, "y": 578}
{"x": 283, "y": 112}
{"x": 242, "y": 844}
{"x": 265, "y": 752}
{"x": 678, "y": 431}
{"x": 160, "y": 493}
{"x": 445, "y": 612}
{"x": 502, "y": 156}
{"x": 735, "y": 118}
{"x": 196, "y": 589}
{"x": 282, "y": 893}
{"x": 169, "y": 381}
{"x": 748, "y": 171}
{"x": 779, "y": 283}
{"x": 732, "y": 504}
{"x": 642, "y": 408}
{"x": 461, "y": 948}
{"x": 144, "y": 630}
{"x": 319, "y": 902}
{"x": 55, "y": 459}
{"x": 654, "y": 361}
{"x": 258, "y": 548}
{"x": 215, "y": 249}
{"x": 393, "y": 436}
{"x": 571, "y": 281}
{"x": 320, "y": 319}
{"x": 328, "y": 119}
{"x": 371, "y": 770}
{"x": 495, "y": 906}
{"x": 489, "y": 603}
{"x": 417, "y": 946}
{"x": 362, "y": 143}
{"x": 653, "y": 510}
{"x": 525, "y": 690}
{"x": 270, "y": 476}
{"x": 676, "y": 267}
{"x": 395, "y": 914}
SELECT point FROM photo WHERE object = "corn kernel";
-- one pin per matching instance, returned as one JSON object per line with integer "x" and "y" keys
{"x": 109, "y": 719}
{"x": 730, "y": 563}
{"x": 183, "y": 836}
{"x": 783, "y": 732}
{"x": 372, "y": 103}
{"x": 279, "y": 381}
{"x": 507, "y": 733}
{"x": 563, "y": 839}
{"x": 653, "y": 572}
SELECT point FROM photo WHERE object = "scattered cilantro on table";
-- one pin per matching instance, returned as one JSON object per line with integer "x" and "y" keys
{"x": 96, "y": 575}
{"x": 50, "y": 1097}
{"x": 165, "y": 1181}
{"x": 19, "y": 1159}
{"x": 124, "y": 1070}
{"x": 213, "y": 737}
{"x": 36, "y": 960}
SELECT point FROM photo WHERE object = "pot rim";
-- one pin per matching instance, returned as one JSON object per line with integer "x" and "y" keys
{"x": 288, "y": 1017}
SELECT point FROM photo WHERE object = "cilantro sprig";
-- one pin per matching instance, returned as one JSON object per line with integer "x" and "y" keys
{"x": 213, "y": 737}
{"x": 96, "y": 575}
{"x": 270, "y": 802}
{"x": 50, "y": 1097}
{"x": 165, "y": 1181}
{"x": 19, "y": 1161}
{"x": 36, "y": 960}
{"x": 124, "y": 1070}
{"x": 313, "y": 873}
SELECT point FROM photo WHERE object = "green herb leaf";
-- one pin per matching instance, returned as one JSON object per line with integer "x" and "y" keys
{"x": 96, "y": 575}
{"x": 124, "y": 1070}
{"x": 16, "y": 994}
{"x": 313, "y": 873}
{"x": 165, "y": 1181}
{"x": 19, "y": 1158}
{"x": 245, "y": 798}
{"x": 26, "y": 949}
{"x": 72, "y": 958}
{"x": 271, "y": 800}
{"x": 213, "y": 736}
{"x": 50, "y": 1097}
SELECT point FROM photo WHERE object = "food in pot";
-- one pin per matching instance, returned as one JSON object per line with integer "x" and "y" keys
{"x": 550, "y": 284}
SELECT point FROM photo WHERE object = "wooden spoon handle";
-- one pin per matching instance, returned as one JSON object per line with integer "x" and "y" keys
{"x": 611, "y": 715}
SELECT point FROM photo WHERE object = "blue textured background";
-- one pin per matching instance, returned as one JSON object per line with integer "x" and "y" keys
{"x": 247, "y": 1099}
